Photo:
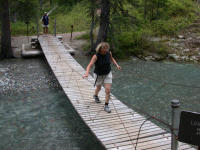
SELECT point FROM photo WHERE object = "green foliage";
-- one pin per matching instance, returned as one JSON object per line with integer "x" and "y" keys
{"x": 180, "y": 8}
{"x": 79, "y": 20}
{"x": 169, "y": 27}
{"x": 134, "y": 42}
{"x": 66, "y": 5}
{"x": 20, "y": 28}
{"x": 86, "y": 47}
{"x": 166, "y": 17}
{"x": 67, "y": 2}
{"x": 25, "y": 10}
{"x": 85, "y": 36}
{"x": 132, "y": 24}
{"x": 138, "y": 43}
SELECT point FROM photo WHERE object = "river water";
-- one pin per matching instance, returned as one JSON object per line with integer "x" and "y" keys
{"x": 150, "y": 86}
{"x": 36, "y": 114}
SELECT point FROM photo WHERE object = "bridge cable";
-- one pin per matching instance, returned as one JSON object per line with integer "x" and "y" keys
{"x": 72, "y": 70}
{"x": 161, "y": 121}
{"x": 101, "y": 109}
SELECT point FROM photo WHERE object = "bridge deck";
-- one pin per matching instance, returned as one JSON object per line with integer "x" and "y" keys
{"x": 115, "y": 130}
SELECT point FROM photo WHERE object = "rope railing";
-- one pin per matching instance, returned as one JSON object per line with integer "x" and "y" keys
{"x": 149, "y": 116}
{"x": 98, "y": 112}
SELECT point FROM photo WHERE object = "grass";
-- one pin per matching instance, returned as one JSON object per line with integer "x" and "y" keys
{"x": 80, "y": 22}
{"x": 84, "y": 36}
{"x": 76, "y": 17}
{"x": 20, "y": 28}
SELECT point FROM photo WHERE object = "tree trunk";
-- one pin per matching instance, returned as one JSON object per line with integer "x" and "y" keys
{"x": 104, "y": 21}
{"x": 152, "y": 12}
{"x": 51, "y": 2}
{"x": 91, "y": 29}
{"x": 41, "y": 4}
{"x": 6, "y": 51}
{"x": 157, "y": 12}
{"x": 145, "y": 9}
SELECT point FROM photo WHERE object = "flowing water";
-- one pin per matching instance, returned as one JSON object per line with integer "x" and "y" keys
{"x": 150, "y": 86}
{"x": 36, "y": 114}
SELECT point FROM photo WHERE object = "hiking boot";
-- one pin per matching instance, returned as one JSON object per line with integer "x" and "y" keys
{"x": 107, "y": 109}
{"x": 96, "y": 98}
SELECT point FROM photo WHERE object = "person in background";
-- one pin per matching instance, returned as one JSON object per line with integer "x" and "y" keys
{"x": 45, "y": 20}
{"x": 102, "y": 72}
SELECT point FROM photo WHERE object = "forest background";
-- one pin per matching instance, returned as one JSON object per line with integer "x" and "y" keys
{"x": 128, "y": 25}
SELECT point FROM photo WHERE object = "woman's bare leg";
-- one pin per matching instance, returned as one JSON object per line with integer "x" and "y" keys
{"x": 98, "y": 88}
{"x": 107, "y": 91}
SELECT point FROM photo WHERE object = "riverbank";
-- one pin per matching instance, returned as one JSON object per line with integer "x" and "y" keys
{"x": 183, "y": 48}
{"x": 17, "y": 42}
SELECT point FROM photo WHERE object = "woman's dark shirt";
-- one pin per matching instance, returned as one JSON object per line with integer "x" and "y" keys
{"x": 102, "y": 65}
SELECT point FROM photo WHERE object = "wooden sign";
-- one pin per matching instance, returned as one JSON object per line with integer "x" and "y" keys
{"x": 189, "y": 128}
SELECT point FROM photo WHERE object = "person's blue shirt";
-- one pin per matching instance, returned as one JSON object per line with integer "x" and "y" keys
{"x": 45, "y": 20}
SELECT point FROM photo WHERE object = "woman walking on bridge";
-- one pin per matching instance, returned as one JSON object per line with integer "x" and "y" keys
{"x": 102, "y": 71}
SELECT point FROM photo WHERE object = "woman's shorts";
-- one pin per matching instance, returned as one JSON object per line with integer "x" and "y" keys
{"x": 102, "y": 79}
{"x": 45, "y": 26}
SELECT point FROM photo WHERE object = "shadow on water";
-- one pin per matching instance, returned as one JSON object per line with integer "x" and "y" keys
{"x": 35, "y": 113}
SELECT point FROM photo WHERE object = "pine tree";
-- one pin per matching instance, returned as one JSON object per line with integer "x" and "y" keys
{"x": 6, "y": 50}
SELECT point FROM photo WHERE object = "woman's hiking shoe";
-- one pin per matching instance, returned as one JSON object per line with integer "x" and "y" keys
{"x": 107, "y": 109}
{"x": 96, "y": 98}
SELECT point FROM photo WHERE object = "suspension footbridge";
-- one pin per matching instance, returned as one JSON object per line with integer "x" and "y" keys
{"x": 123, "y": 128}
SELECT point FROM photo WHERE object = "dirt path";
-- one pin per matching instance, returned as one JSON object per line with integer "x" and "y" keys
{"x": 75, "y": 44}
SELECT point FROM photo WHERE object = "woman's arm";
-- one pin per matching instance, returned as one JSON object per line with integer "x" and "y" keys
{"x": 114, "y": 62}
{"x": 93, "y": 60}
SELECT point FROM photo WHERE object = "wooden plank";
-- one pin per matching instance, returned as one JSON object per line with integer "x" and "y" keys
{"x": 143, "y": 140}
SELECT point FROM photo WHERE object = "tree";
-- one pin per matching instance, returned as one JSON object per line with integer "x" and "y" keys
{"x": 6, "y": 50}
{"x": 27, "y": 9}
{"x": 104, "y": 21}
{"x": 93, "y": 12}
{"x": 109, "y": 9}
{"x": 67, "y": 3}
{"x": 152, "y": 8}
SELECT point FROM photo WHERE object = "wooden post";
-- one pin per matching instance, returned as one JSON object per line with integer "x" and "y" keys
{"x": 71, "y": 32}
{"x": 27, "y": 30}
{"x": 55, "y": 28}
{"x": 175, "y": 123}
{"x": 37, "y": 26}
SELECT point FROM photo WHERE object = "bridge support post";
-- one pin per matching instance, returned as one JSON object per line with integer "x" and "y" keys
{"x": 37, "y": 22}
{"x": 175, "y": 124}
{"x": 55, "y": 28}
{"x": 71, "y": 32}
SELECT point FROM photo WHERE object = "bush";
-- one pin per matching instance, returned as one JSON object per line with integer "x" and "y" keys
{"x": 180, "y": 8}
{"x": 76, "y": 17}
{"x": 20, "y": 28}
{"x": 169, "y": 27}
{"x": 84, "y": 36}
{"x": 130, "y": 43}
{"x": 138, "y": 43}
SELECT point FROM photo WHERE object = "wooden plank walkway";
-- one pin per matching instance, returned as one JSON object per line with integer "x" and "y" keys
{"x": 117, "y": 130}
